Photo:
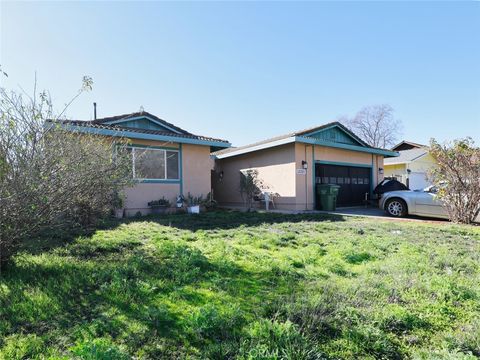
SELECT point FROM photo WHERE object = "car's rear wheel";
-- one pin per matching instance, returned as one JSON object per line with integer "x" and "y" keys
{"x": 396, "y": 207}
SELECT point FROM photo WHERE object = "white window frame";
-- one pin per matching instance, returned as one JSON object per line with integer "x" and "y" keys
{"x": 166, "y": 179}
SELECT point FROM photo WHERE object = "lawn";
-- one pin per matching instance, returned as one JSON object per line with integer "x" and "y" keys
{"x": 229, "y": 285}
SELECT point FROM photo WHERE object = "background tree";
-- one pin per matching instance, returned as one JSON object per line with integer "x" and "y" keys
{"x": 376, "y": 125}
{"x": 457, "y": 175}
{"x": 50, "y": 177}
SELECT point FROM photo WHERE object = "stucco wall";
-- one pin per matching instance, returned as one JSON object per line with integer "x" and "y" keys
{"x": 424, "y": 164}
{"x": 168, "y": 144}
{"x": 196, "y": 167}
{"x": 304, "y": 183}
{"x": 275, "y": 166}
{"x": 278, "y": 166}
{"x": 138, "y": 196}
{"x": 341, "y": 155}
{"x": 395, "y": 170}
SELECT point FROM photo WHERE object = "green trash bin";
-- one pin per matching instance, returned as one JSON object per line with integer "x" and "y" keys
{"x": 327, "y": 196}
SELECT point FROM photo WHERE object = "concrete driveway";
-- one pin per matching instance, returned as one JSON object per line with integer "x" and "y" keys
{"x": 375, "y": 212}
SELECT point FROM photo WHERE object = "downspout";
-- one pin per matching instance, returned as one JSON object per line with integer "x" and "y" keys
{"x": 372, "y": 175}
{"x": 314, "y": 183}
{"x": 306, "y": 181}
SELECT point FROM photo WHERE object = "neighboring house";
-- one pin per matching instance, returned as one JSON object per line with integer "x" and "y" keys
{"x": 291, "y": 165}
{"x": 412, "y": 166}
{"x": 172, "y": 162}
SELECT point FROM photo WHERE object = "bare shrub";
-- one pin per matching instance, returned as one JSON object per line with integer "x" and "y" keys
{"x": 50, "y": 177}
{"x": 457, "y": 176}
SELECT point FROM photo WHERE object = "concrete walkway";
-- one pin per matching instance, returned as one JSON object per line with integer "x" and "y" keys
{"x": 362, "y": 211}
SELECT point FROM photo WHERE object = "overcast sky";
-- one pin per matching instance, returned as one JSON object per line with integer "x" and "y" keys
{"x": 248, "y": 71}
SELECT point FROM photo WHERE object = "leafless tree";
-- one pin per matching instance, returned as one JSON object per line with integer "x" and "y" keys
{"x": 457, "y": 176}
{"x": 376, "y": 125}
{"x": 50, "y": 177}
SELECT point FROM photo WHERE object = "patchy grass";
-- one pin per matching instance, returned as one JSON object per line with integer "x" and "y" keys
{"x": 247, "y": 286}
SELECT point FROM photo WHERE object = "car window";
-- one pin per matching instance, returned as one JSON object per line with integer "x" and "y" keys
{"x": 431, "y": 189}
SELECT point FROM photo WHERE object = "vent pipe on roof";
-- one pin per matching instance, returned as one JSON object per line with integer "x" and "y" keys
{"x": 94, "y": 111}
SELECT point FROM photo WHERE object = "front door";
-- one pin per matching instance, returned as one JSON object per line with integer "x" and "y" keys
{"x": 354, "y": 182}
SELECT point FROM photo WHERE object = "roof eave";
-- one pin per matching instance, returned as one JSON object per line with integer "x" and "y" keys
{"x": 307, "y": 140}
{"x": 143, "y": 136}
{"x": 396, "y": 163}
{"x": 253, "y": 148}
{"x": 406, "y": 161}
{"x": 370, "y": 150}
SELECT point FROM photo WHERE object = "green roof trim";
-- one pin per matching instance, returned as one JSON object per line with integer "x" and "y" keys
{"x": 365, "y": 149}
{"x": 142, "y": 122}
{"x": 336, "y": 134}
{"x": 119, "y": 132}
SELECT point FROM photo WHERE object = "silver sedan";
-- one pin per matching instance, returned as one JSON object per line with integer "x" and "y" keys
{"x": 419, "y": 202}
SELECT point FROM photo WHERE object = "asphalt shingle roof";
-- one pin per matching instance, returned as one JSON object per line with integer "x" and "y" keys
{"x": 406, "y": 156}
{"x": 103, "y": 124}
{"x": 136, "y": 115}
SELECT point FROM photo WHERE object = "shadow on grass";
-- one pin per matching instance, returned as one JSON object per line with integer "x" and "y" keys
{"x": 215, "y": 220}
{"x": 225, "y": 220}
{"x": 135, "y": 295}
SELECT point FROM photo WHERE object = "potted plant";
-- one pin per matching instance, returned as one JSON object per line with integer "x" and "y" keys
{"x": 193, "y": 203}
{"x": 159, "y": 206}
{"x": 118, "y": 203}
{"x": 180, "y": 201}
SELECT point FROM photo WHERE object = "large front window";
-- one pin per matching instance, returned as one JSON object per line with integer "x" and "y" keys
{"x": 155, "y": 164}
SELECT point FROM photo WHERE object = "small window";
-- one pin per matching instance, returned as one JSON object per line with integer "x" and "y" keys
{"x": 354, "y": 180}
{"x": 366, "y": 181}
{"x": 324, "y": 180}
{"x": 340, "y": 180}
{"x": 360, "y": 181}
{"x": 333, "y": 180}
{"x": 347, "y": 180}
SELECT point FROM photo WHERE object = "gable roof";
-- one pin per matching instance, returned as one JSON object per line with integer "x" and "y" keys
{"x": 311, "y": 132}
{"x": 407, "y": 156}
{"x": 306, "y": 136}
{"x": 407, "y": 145}
{"x": 118, "y": 119}
{"x": 122, "y": 126}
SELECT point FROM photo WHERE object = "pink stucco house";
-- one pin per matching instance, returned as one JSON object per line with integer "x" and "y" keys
{"x": 292, "y": 165}
{"x": 173, "y": 161}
